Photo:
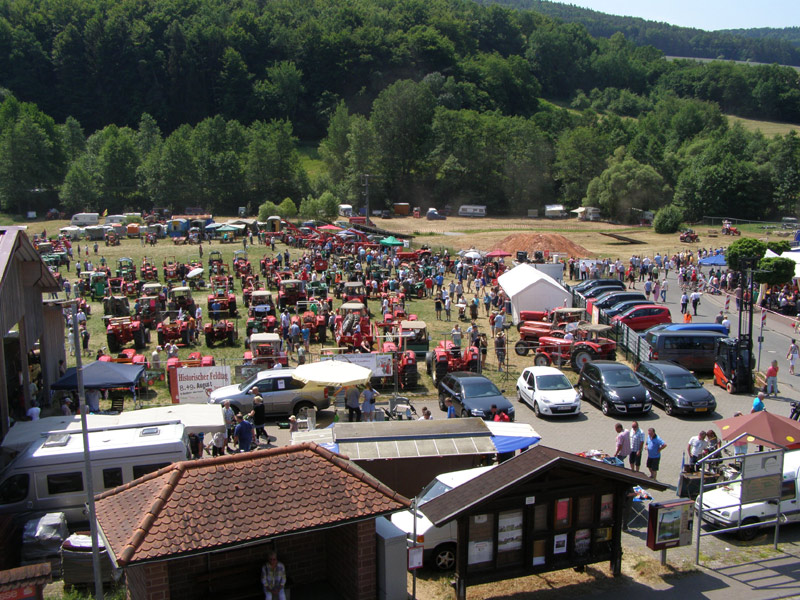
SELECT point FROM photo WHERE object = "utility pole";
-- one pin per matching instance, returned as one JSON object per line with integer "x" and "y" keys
{"x": 365, "y": 182}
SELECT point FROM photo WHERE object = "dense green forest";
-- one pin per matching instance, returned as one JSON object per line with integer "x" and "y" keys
{"x": 759, "y": 45}
{"x": 202, "y": 102}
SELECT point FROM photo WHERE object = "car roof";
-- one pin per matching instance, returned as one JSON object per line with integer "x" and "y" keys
{"x": 270, "y": 373}
{"x": 666, "y": 366}
{"x": 637, "y": 306}
{"x": 543, "y": 371}
{"x": 467, "y": 375}
{"x": 609, "y": 365}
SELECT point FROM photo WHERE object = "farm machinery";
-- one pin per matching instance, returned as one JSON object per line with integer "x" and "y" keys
{"x": 446, "y": 357}
{"x": 352, "y": 325}
{"x": 266, "y": 349}
{"x": 261, "y": 314}
{"x": 290, "y": 292}
{"x": 586, "y": 345}
{"x": 241, "y": 264}
{"x": 171, "y": 269}
{"x": 173, "y": 331}
{"x": 148, "y": 270}
{"x": 689, "y": 236}
{"x": 222, "y": 302}
{"x": 123, "y": 330}
{"x": 220, "y": 331}
{"x": 180, "y": 298}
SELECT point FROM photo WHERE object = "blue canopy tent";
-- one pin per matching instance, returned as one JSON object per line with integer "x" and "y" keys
{"x": 717, "y": 260}
{"x": 101, "y": 375}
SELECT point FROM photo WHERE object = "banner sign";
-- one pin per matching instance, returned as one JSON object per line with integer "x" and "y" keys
{"x": 193, "y": 385}
{"x": 379, "y": 364}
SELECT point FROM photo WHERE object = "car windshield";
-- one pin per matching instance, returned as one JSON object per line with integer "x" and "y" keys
{"x": 682, "y": 381}
{"x": 479, "y": 388}
{"x": 248, "y": 383}
{"x": 553, "y": 382}
{"x": 433, "y": 490}
{"x": 620, "y": 378}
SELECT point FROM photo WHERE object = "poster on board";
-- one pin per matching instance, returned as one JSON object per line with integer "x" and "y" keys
{"x": 193, "y": 385}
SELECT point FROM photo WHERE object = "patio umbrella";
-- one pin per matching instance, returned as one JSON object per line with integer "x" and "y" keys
{"x": 781, "y": 431}
{"x": 333, "y": 373}
{"x": 473, "y": 254}
{"x": 391, "y": 241}
{"x": 195, "y": 273}
{"x": 498, "y": 254}
{"x": 330, "y": 228}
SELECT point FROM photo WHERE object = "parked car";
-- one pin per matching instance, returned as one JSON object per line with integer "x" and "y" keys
{"x": 548, "y": 392}
{"x": 695, "y": 350}
{"x": 609, "y": 299}
{"x": 282, "y": 394}
{"x": 613, "y": 387}
{"x": 600, "y": 290}
{"x": 438, "y": 543}
{"x": 587, "y": 285}
{"x": 640, "y": 318}
{"x": 674, "y": 388}
{"x": 693, "y": 327}
{"x": 473, "y": 395}
{"x": 621, "y": 307}
{"x": 434, "y": 215}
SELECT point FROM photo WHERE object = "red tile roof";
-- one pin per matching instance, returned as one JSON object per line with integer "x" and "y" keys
{"x": 194, "y": 506}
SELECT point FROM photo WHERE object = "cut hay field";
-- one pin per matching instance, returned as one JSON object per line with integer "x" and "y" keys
{"x": 768, "y": 128}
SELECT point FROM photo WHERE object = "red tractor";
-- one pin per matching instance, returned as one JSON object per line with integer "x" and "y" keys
{"x": 150, "y": 308}
{"x": 446, "y": 357}
{"x": 214, "y": 259}
{"x": 586, "y": 345}
{"x": 241, "y": 264}
{"x": 556, "y": 325}
{"x": 127, "y": 356}
{"x": 220, "y": 331}
{"x": 180, "y": 298}
{"x": 317, "y": 325}
{"x": 689, "y": 236}
{"x": 195, "y": 359}
{"x": 173, "y": 331}
{"x": 266, "y": 349}
{"x": 122, "y": 330}
{"x": 290, "y": 292}
{"x": 171, "y": 267}
{"x": 148, "y": 270}
{"x": 222, "y": 303}
{"x": 261, "y": 314}
{"x": 404, "y": 363}
{"x": 728, "y": 229}
{"x": 352, "y": 325}
{"x": 354, "y": 291}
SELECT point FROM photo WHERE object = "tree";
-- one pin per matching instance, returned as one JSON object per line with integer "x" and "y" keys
{"x": 580, "y": 156}
{"x": 779, "y": 246}
{"x": 744, "y": 248}
{"x": 775, "y": 271}
{"x": 668, "y": 219}
{"x": 266, "y": 210}
{"x": 287, "y": 208}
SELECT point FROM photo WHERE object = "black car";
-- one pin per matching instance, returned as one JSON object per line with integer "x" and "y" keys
{"x": 587, "y": 285}
{"x": 600, "y": 290}
{"x": 609, "y": 299}
{"x": 622, "y": 306}
{"x": 473, "y": 395}
{"x": 674, "y": 388}
{"x": 613, "y": 387}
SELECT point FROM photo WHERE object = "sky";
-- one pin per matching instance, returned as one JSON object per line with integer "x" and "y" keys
{"x": 704, "y": 14}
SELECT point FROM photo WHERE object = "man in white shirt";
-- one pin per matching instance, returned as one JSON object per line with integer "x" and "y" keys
{"x": 696, "y": 448}
{"x": 33, "y": 412}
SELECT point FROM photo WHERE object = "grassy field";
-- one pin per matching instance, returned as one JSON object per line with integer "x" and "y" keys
{"x": 768, "y": 128}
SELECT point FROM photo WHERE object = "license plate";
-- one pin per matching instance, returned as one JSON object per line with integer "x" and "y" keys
{"x": 704, "y": 409}
{"x": 635, "y": 406}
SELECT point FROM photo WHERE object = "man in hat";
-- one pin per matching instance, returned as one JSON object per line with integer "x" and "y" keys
{"x": 66, "y": 407}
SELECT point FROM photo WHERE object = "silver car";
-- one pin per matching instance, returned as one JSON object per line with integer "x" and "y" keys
{"x": 282, "y": 394}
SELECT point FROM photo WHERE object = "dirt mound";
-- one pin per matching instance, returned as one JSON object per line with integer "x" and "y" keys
{"x": 530, "y": 242}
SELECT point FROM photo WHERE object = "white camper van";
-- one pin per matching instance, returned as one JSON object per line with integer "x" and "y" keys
{"x": 49, "y": 475}
{"x": 345, "y": 210}
{"x": 84, "y": 219}
{"x": 472, "y": 210}
{"x": 721, "y": 505}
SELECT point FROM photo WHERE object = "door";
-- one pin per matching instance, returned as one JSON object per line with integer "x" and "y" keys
{"x": 590, "y": 383}
{"x": 789, "y": 505}
{"x": 528, "y": 390}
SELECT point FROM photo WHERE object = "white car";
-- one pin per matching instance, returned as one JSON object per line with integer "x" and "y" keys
{"x": 439, "y": 543}
{"x": 548, "y": 392}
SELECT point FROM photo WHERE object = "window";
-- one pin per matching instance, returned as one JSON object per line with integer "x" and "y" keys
{"x": 65, "y": 483}
{"x": 112, "y": 477}
{"x": 141, "y": 470}
{"x": 14, "y": 489}
{"x": 788, "y": 489}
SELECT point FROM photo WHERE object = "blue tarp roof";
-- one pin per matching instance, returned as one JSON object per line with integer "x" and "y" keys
{"x": 718, "y": 260}
{"x": 101, "y": 375}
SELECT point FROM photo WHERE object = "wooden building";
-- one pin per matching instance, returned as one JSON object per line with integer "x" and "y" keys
{"x": 24, "y": 278}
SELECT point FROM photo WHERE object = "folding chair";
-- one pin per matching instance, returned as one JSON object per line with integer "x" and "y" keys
{"x": 640, "y": 505}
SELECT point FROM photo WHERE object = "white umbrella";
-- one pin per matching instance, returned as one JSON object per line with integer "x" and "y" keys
{"x": 195, "y": 273}
{"x": 332, "y": 373}
{"x": 473, "y": 254}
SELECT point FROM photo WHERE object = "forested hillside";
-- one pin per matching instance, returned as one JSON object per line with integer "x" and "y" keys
{"x": 759, "y": 45}
{"x": 125, "y": 105}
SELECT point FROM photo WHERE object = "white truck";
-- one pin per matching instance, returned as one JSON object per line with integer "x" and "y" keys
{"x": 48, "y": 476}
{"x": 721, "y": 505}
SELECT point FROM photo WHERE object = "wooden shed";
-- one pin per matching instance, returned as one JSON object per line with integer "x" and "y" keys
{"x": 24, "y": 278}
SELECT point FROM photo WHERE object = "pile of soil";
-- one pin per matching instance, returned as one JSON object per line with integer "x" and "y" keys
{"x": 530, "y": 242}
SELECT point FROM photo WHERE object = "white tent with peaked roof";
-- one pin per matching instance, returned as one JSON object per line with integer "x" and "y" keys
{"x": 531, "y": 289}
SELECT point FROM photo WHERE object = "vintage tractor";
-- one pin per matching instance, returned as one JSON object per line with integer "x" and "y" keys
{"x": 413, "y": 336}
{"x": 195, "y": 359}
{"x": 317, "y": 289}
{"x": 122, "y": 330}
{"x": 181, "y": 298}
{"x": 220, "y": 331}
{"x": 126, "y": 269}
{"x": 587, "y": 345}
{"x": 446, "y": 357}
{"x": 261, "y": 314}
{"x": 128, "y": 356}
{"x": 171, "y": 269}
{"x": 214, "y": 258}
{"x": 352, "y": 325}
{"x": 241, "y": 264}
{"x": 354, "y": 291}
{"x": 116, "y": 285}
{"x": 266, "y": 349}
{"x": 116, "y": 306}
{"x": 290, "y": 292}
{"x": 150, "y": 311}
{"x": 155, "y": 289}
{"x": 95, "y": 284}
{"x": 690, "y": 236}
{"x": 112, "y": 239}
{"x": 222, "y": 303}
{"x": 317, "y": 325}
{"x": 557, "y": 324}
{"x": 148, "y": 270}
{"x": 404, "y": 363}
{"x": 730, "y": 230}
{"x": 173, "y": 331}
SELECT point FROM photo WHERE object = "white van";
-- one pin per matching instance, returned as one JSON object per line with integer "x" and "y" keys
{"x": 111, "y": 219}
{"x": 345, "y": 210}
{"x": 721, "y": 505}
{"x": 439, "y": 543}
{"x": 48, "y": 476}
{"x": 84, "y": 219}
{"x": 472, "y": 210}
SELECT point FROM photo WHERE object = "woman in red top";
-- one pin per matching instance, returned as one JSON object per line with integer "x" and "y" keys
{"x": 772, "y": 379}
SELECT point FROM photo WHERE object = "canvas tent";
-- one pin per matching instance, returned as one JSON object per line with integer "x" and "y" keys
{"x": 795, "y": 256}
{"x": 531, "y": 289}
{"x": 101, "y": 375}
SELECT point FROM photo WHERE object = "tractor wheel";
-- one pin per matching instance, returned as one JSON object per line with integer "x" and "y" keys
{"x": 209, "y": 340}
{"x": 521, "y": 348}
{"x": 113, "y": 344}
{"x": 429, "y": 358}
{"x": 185, "y": 337}
{"x": 439, "y": 371}
{"x": 473, "y": 365}
{"x": 580, "y": 357}
{"x": 160, "y": 337}
{"x": 541, "y": 360}
{"x": 138, "y": 339}
{"x": 231, "y": 338}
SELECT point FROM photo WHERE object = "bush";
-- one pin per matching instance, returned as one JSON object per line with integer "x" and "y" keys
{"x": 668, "y": 219}
{"x": 774, "y": 271}
{"x": 744, "y": 248}
{"x": 267, "y": 210}
{"x": 287, "y": 209}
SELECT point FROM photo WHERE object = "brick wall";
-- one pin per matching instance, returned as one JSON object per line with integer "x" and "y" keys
{"x": 147, "y": 582}
{"x": 351, "y": 569}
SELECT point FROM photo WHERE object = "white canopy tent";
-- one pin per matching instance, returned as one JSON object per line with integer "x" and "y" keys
{"x": 795, "y": 256}
{"x": 531, "y": 289}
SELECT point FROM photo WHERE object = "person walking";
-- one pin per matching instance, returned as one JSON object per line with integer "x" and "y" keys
{"x": 664, "y": 288}
{"x": 500, "y": 349}
{"x": 368, "y": 406}
{"x": 792, "y": 355}
{"x": 772, "y": 379}
{"x": 684, "y": 303}
{"x": 654, "y": 447}
{"x": 637, "y": 444}
{"x": 623, "y": 443}
{"x": 758, "y": 403}
{"x": 695, "y": 297}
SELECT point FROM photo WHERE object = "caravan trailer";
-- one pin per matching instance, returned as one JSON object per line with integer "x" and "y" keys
{"x": 472, "y": 210}
{"x": 84, "y": 219}
{"x": 49, "y": 475}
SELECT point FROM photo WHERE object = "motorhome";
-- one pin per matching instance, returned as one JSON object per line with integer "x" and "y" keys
{"x": 111, "y": 219}
{"x": 472, "y": 210}
{"x": 345, "y": 210}
{"x": 49, "y": 475}
{"x": 84, "y": 219}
